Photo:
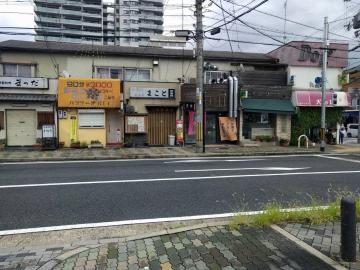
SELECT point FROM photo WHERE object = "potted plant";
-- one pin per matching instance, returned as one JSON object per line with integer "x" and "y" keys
{"x": 61, "y": 144}
{"x": 83, "y": 145}
{"x": 129, "y": 142}
{"x": 95, "y": 144}
{"x": 38, "y": 144}
{"x": 284, "y": 142}
{"x": 2, "y": 144}
{"x": 75, "y": 144}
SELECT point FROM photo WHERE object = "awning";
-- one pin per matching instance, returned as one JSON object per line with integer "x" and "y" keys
{"x": 46, "y": 98}
{"x": 313, "y": 98}
{"x": 267, "y": 105}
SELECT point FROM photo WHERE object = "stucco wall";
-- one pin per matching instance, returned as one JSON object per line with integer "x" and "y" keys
{"x": 306, "y": 75}
{"x": 140, "y": 103}
{"x": 83, "y": 134}
{"x": 283, "y": 126}
{"x": 80, "y": 64}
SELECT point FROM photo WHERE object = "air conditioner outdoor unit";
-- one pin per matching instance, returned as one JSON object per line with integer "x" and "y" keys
{"x": 192, "y": 80}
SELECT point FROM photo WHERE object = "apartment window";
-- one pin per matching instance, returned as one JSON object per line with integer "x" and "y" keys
{"x": 91, "y": 118}
{"x": 45, "y": 118}
{"x": 134, "y": 74}
{"x": 1, "y": 120}
{"x": 315, "y": 56}
{"x": 17, "y": 70}
{"x": 305, "y": 52}
{"x": 109, "y": 72}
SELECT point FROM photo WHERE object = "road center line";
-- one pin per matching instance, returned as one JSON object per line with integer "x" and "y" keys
{"x": 174, "y": 179}
{"x": 339, "y": 158}
{"x": 245, "y": 169}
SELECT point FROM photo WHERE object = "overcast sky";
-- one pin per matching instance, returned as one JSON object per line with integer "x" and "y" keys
{"x": 309, "y": 12}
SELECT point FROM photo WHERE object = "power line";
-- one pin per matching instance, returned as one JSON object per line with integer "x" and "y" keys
{"x": 238, "y": 16}
{"x": 288, "y": 20}
{"x": 254, "y": 28}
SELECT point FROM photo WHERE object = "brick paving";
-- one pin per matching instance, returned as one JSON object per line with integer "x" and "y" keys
{"x": 325, "y": 238}
{"x": 211, "y": 248}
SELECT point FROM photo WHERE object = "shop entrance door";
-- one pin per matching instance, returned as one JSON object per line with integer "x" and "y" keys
{"x": 211, "y": 123}
{"x": 113, "y": 126}
{"x": 162, "y": 123}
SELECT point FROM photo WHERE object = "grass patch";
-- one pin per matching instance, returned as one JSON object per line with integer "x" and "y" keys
{"x": 275, "y": 213}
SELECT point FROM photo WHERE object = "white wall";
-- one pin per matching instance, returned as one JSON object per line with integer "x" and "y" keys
{"x": 306, "y": 75}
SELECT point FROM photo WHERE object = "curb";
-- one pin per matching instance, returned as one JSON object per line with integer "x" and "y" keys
{"x": 59, "y": 259}
{"x": 148, "y": 156}
{"x": 308, "y": 248}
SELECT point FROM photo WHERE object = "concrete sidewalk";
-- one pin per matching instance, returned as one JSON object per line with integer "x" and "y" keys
{"x": 200, "y": 247}
{"x": 9, "y": 155}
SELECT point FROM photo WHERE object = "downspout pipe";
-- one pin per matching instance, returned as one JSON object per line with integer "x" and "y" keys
{"x": 236, "y": 96}
{"x": 231, "y": 96}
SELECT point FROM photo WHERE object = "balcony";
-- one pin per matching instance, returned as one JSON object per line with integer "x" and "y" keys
{"x": 47, "y": 10}
{"x": 42, "y": 19}
{"x": 151, "y": 17}
{"x": 150, "y": 8}
{"x": 153, "y": 1}
{"x": 94, "y": 24}
{"x": 150, "y": 26}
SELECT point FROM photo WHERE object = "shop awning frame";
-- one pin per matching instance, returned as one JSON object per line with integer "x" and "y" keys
{"x": 267, "y": 106}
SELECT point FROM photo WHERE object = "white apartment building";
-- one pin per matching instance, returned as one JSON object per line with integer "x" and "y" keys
{"x": 75, "y": 21}
{"x": 121, "y": 22}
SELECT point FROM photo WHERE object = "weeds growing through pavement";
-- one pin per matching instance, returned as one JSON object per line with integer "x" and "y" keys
{"x": 313, "y": 213}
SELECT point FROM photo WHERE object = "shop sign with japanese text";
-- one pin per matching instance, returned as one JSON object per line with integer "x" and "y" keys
{"x": 89, "y": 93}
{"x": 21, "y": 82}
{"x": 228, "y": 129}
{"x": 152, "y": 93}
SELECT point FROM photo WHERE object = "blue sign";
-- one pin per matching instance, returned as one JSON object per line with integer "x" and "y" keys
{"x": 318, "y": 80}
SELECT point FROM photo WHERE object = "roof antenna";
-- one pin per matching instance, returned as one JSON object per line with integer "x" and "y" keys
{"x": 285, "y": 8}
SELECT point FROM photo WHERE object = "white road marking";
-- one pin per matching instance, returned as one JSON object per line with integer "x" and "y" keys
{"x": 207, "y": 160}
{"x": 245, "y": 169}
{"x": 173, "y": 179}
{"x": 339, "y": 158}
{"x": 141, "y": 221}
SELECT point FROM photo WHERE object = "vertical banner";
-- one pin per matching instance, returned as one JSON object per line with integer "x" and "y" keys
{"x": 228, "y": 129}
{"x": 179, "y": 130}
{"x": 191, "y": 127}
{"x": 73, "y": 129}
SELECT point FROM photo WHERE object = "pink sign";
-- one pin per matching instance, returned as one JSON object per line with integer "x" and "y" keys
{"x": 313, "y": 99}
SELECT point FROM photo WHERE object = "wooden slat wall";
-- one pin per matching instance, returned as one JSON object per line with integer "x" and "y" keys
{"x": 162, "y": 122}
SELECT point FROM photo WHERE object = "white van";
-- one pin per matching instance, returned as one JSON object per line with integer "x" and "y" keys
{"x": 352, "y": 130}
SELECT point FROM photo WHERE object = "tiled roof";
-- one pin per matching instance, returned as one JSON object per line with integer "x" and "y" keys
{"x": 86, "y": 49}
{"x": 27, "y": 97}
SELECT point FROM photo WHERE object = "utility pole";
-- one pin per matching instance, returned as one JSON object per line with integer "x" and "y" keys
{"x": 199, "y": 79}
{"x": 323, "y": 84}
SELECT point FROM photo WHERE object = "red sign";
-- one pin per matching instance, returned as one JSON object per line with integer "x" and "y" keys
{"x": 179, "y": 130}
{"x": 313, "y": 99}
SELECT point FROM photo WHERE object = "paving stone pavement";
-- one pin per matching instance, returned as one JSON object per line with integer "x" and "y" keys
{"x": 211, "y": 248}
{"x": 325, "y": 238}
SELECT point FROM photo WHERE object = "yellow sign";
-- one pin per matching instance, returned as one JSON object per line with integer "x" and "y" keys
{"x": 88, "y": 93}
{"x": 228, "y": 129}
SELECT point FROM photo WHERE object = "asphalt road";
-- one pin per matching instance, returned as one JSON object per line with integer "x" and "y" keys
{"x": 63, "y": 193}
